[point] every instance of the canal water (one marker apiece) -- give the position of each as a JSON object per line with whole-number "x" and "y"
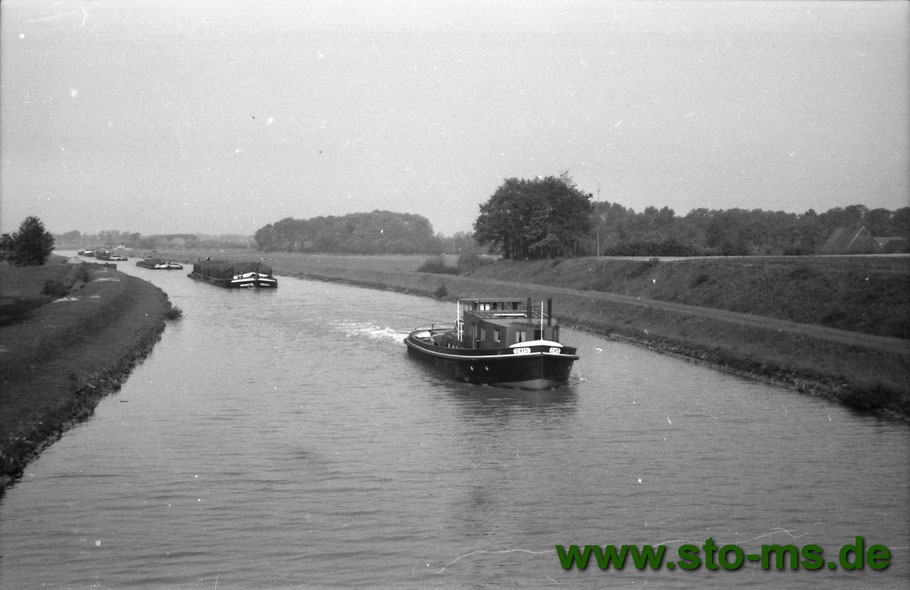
{"x": 286, "y": 439}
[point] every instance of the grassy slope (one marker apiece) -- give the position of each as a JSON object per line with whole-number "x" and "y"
{"x": 58, "y": 360}
{"x": 862, "y": 294}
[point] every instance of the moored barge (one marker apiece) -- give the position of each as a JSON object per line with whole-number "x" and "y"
{"x": 234, "y": 275}
{"x": 159, "y": 264}
{"x": 500, "y": 342}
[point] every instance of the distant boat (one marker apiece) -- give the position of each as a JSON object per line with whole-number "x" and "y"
{"x": 501, "y": 342}
{"x": 159, "y": 264}
{"x": 234, "y": 275}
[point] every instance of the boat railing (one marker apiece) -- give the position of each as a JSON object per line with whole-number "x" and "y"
{"x": 434, "y": 328}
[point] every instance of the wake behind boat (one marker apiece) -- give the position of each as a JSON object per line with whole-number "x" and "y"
{"x": 502, "y": 342}
{"x": 234, "y": 275}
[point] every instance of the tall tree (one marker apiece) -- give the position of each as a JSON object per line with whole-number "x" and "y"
{"x": 32, "y": 244}
{"x": 6, "y": 248}
{"x": 540, "y": 218}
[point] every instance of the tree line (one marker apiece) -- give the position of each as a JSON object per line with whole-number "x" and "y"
{"x": 620, "y": 231}
{"x": 549, "y": 217}
{"x": 377, "y": 232}
{"x": 113, "y": 239}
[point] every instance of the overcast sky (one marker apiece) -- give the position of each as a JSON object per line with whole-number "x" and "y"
{"x": 220, "y": 116}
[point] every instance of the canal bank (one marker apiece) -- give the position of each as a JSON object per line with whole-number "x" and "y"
{"x": 58, "y": 360}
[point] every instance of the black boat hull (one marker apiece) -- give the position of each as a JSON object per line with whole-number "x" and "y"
{"x": 245, "y": 283}
{"x": 535, "y": 369}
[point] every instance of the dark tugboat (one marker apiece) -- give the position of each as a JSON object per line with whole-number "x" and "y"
{"x": 234, "y": 275}
{"x": 501, "y": 342}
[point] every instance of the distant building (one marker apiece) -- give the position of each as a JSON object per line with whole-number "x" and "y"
{"x": 846, "y": 240}
{"x": 859, "y": 240}
{"x": 892, "y": 245}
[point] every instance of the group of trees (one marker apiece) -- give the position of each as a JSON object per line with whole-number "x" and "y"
{"x": 30, "y": 246}
{"x": 621, "y": 231}
{"x": 550, "y": 217}
{"x": 378, "y": 232}
{"x": 541, "y": 218}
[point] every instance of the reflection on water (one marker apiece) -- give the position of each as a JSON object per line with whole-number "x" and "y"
{"x": 479, "y": 401}
{"x": 286, "y": 439}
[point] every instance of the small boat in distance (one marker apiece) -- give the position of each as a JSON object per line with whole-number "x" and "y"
{"x": 159, "y": 264}
{"x": 234, "y": 275}
{"x": 501, "y": 342}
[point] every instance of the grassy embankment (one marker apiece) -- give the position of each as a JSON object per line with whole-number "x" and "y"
{"x": 837, "y": 327}
{"x": 69, "y": 334}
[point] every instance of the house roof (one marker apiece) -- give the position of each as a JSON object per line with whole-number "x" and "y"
{"x": 847, "y": 240}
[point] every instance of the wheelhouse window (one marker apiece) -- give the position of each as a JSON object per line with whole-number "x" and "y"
{"x": 497, "y": 335}
{"x": 520, "y": 336}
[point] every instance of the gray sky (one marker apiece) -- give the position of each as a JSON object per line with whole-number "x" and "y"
{"x": 220, "y": 116}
